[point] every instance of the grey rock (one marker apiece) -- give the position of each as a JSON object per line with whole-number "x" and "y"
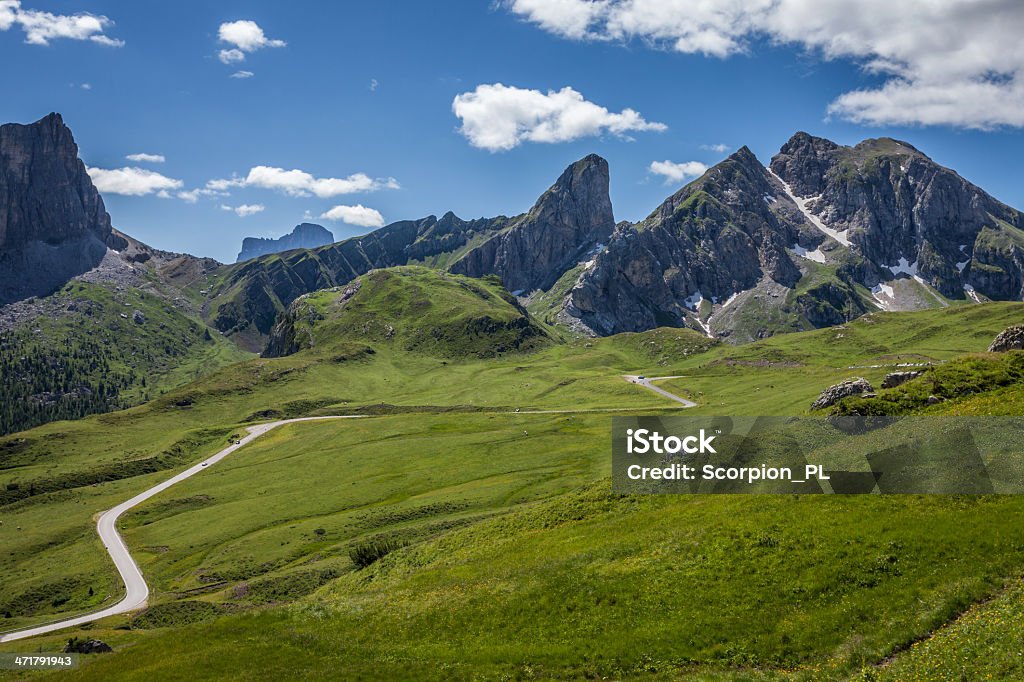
{"x": 138, "y": 317}
{"x": 569, "y": 219}
{"x": 894, "y": 379}
{"x": 304, "y": 236}
{"x": 53, "y": 224}
{"x": 1011, "y": 338}
{"x": 855, "y": 386}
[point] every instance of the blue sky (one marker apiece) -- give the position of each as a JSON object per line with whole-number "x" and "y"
{"x": 360, "y": 101}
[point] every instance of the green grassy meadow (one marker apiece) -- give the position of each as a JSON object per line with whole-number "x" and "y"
{"x": 487, "y": 476}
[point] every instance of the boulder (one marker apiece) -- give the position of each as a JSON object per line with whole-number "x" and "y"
{"x": 89, "y": 646}
{"x": 1011, "y": 338}
{"x": 833, "y": 394}
{"x": 894, "y": 379}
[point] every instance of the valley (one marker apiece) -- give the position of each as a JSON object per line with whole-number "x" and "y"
{"x": 390, "y": 454}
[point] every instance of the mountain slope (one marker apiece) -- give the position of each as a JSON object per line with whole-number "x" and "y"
{"x": 91, "y": 320}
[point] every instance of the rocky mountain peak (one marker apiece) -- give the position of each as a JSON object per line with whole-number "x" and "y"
{"x": 567, "y": 221}
{"x": 53, "y": 224}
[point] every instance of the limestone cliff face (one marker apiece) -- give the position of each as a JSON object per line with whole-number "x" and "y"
{"x": 895, "y": 203}
{"x": 569, "y": 219}
{"x": 53, "y": 224}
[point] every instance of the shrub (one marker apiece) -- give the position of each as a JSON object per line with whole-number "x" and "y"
{"x": 362, "y": 555}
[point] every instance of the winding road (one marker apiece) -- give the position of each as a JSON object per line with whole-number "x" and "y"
{"x": 136, "y": 589}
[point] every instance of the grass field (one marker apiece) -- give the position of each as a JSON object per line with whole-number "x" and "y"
{"x": 519, "y": 563}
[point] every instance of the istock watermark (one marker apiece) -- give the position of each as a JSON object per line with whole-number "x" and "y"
{"x": 818, "y": 455}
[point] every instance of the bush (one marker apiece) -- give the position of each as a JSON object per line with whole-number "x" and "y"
{"x": 364, "y": 554}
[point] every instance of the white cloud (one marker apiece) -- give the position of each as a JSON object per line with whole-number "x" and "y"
{"x": 231, "y": 56}
{"x": 131, "y": 181}
{"x": 86, "y": 86}
{"x": 244, "y": 210}
{"x": 355, "y": 215}
{"x": 245, "y": 36}
{"x": 42, "y": 27}
{"x": 499, "y": 117}
{"x": 955, "y": 62}
{"x": 299, "y": 183}
{"x": 717, "y": 148}
{"x": 242, "y": 74}
{"x": 192, "y": 196}
{"x": 373, "y": 84}
{"x": 142, "y": 157}
{"x": 677, "y": 172}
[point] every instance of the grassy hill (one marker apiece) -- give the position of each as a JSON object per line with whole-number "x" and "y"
{"x": 412, "y": 309}
{"x": 518, "y": 562}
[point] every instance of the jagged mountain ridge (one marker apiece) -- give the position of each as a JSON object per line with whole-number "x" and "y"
{"x": 822, "y": 235}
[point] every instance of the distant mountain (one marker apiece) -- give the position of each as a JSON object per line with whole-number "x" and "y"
{"x": 304, "y": 236}
{"x": 53, "y": 224}
{"x": 527, "y": 251}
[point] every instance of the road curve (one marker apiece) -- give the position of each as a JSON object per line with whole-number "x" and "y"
{"x": 136, "y": 590}
{"x": 646, "y": 383}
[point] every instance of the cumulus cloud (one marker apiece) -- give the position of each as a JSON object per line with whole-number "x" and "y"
{"x": 242, "y": 74}
{"x": 677, "y": 172}
{"x": 42, "y": 27}
{"x": 499, "y": 117}
{"x": 231, "y": 56}
{"x": 142, "y": 157}
{"x": 299, "y": 183}
{"x": 717, "y": 148}
{"x": 355, "y": 215}
{"x": 130, "y": 181}
{"x": 192, "y": 196}
{"x": 955, "y": 62}
{"x": 245, "y": 210}
{"x": 244, "y": 36}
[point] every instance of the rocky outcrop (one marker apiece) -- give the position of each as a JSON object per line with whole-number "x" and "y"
{"x": 894, "y": 379}
{"x": 570, "y": 219}
{"x": 718, "y": 236}
{"x": 907, "y": 215}
{"x": 855, "y": 386}
{"x": 53, "y": 224}
{"x": 304, "y": 236}
{"x": 1011, "y": 338}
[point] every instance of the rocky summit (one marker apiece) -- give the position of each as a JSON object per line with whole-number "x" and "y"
{"x": 304, "y": 236}
{"x": 53, "y": 224}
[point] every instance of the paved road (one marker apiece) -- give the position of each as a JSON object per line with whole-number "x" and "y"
{"x": 646, "y": 383}
{"x": 136, "y": 590}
